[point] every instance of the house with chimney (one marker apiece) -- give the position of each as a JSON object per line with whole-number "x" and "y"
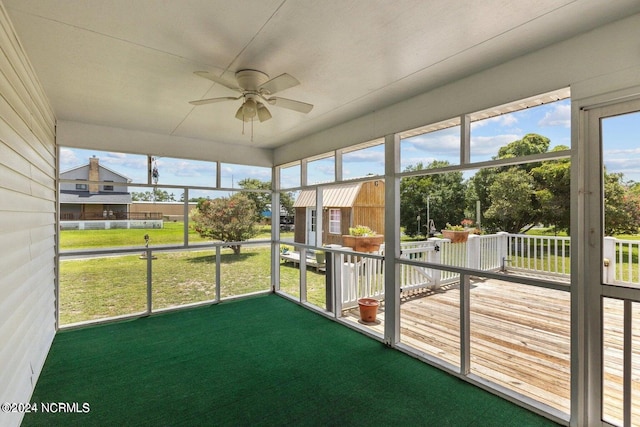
{"x": 104, "y": 196}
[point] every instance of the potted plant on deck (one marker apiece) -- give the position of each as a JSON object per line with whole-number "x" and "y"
{"x": 368, "y": 308}
{"x": 362, "y": 239}
{"x": 455, "y": 233}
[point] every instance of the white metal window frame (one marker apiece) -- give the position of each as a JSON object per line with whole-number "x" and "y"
{"x": 334, "y": 221}
{"x": 392, "y": 176}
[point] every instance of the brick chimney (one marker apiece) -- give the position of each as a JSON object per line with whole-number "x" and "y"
{"x": 94, "y": 174}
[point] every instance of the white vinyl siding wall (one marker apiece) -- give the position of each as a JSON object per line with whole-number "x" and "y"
{"x": 27, "y": 223}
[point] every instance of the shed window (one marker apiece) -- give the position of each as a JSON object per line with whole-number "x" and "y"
{"x": 334, "y": 221}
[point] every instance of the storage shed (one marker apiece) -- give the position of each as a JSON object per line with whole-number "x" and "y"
{"x": 343, "y": 206}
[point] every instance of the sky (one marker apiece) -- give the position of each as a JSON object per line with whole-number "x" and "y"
{"x": 621, "y": 145}
{"x": 621, "y": 149}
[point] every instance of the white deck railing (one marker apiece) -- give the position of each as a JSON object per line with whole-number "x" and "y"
{"x": 517, "y": 253}
{"x": 549, "y": 255}
{"x": 621, "y": 261}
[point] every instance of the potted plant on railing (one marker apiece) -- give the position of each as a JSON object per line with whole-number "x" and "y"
{"x": 362, "y": 239}
{"x": 455, "y": 233}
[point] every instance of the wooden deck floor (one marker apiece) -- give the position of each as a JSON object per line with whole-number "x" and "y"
{"x": 520, "y": 339}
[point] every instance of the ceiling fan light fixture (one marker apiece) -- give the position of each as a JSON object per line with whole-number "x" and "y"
{"x": 254, "y": 86}
{"x": 249, "y": 108}
{"x": 240, "y": 114}
{"x": 263, "y": 113}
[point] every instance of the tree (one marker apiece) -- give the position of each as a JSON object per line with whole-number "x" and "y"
{"x": 262, "y": 201}
{"x": 553, "y": 191}
{"x": 446, "y": 193}
{"x": 513, "y": 205}
{"x": 229, "y": 219}
{"x": 530, "y": 144}
{"x": 518, "y": 197}
{"x": 621, "y": 206}
{"x": 156, "y": 195}
{"x": 286, "y": 201}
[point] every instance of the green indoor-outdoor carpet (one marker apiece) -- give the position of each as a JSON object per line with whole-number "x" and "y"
{"x": 262, "y": 361}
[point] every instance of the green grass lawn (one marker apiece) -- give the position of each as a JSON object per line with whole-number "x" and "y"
{"x": 95, "y": 288}
{"x": 103, "y": 287}
{"x": 172, "y": 233}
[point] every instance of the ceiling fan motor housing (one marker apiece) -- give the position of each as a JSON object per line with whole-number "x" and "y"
{"x": 250, "y": 80}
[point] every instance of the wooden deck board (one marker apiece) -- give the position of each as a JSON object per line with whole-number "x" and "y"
{"x": 520, "y": 338}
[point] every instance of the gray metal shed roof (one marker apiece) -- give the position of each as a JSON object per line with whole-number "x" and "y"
{"x": 342, "y": 196}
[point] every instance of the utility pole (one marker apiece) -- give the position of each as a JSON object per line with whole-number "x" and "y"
{"x": 428, "y": 217}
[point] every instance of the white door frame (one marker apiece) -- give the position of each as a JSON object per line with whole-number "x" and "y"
{"x": 588, "y": 289}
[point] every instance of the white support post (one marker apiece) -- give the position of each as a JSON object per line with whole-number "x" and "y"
{"x": 338, "y": 165}
{"x": 503, "y": 249}
{"x": 436, "y": 258}
{"x": 391, "y": 239}
{"x": 275, "y": 229}
{"x": 185, "y": 213}
{"x": 336, "y": 280}
{"x": 303, "y": 274}
{"x": 473, "y": 252}
{"x": 465, "y": 138}
{"x": 319, "y": 216}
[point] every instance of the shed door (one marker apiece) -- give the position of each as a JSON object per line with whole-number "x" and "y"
{"x": 311, "y": 226}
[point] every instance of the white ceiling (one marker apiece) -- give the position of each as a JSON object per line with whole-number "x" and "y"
{"x": 129, "y": 63}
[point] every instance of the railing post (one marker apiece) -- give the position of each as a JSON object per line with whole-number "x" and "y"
{"x": 336, "y": 281}
{"x": 473, "y": 251}
{"x": 333, "y": 293}
{"x": 609, "y": 255}
{"x": 340, "y": 283}
{"x": 436, "y": 258}
{"x": 149, "y": 255}
{"x": 503, "y": 249}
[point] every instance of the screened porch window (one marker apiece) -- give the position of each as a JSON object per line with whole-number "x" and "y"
{"x": 334, "y": 221}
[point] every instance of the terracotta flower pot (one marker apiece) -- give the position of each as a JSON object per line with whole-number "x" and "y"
{"x": 368, "y": 309}
{"x": 456, "y": 236}
{"x": 363, "y": 243}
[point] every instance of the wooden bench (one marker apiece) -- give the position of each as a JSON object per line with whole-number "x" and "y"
{"x": 294, "y": 258}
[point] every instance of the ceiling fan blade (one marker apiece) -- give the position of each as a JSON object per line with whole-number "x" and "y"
{"x": 290, "y": 104}
{"x": 213, "y": 100}
{"x": 276, "y": 84}
{"x": 210, "y": 76}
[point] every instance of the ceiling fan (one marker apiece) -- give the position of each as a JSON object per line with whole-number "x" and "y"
{"x": 255, "y": 90}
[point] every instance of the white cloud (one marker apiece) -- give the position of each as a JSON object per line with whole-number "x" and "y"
{"x": 626, "y": 151}
{"x": 448, "y": 144}
{"x": 489, "y": 145}
{"x": 504, "y": 120}
{"x": 413, "y": 161}
{"x": 68, "y": 159}
{"x": 560, "y": 115}
{"x": 364, "y": 156}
